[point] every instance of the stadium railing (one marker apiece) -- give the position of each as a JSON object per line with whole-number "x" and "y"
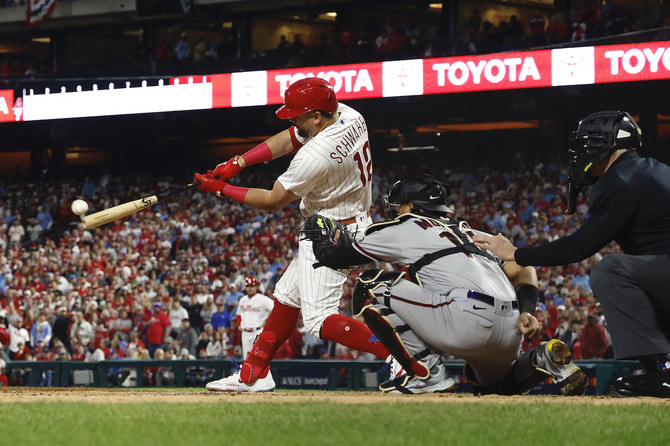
{"x": 288, "y": 374}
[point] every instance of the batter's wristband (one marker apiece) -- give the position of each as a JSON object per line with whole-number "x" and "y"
{"x": 235, "y": 192}
{"x": 527, "y": 296}
{"x": 259, "y": 154}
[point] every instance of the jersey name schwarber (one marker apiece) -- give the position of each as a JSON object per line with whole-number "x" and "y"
{"x": 332, "y": 172}
{"x": 347, "y": 144}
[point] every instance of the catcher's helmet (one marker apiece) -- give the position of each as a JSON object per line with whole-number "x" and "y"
{"x": 251, "y": 281}
{"x": 428, "y": 195}
{"x": 598, "y": 136}
{"x": 309, "y": 94}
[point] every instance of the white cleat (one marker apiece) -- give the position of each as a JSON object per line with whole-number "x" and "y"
{"x": 439, "y": 381}
{"x": 233, "y": 383}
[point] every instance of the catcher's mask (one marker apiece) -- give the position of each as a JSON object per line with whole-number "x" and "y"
{"x": 428, "y": 196}
{"x": 597, "y": 137}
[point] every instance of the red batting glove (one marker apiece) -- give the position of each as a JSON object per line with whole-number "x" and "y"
{"x": 220, "y": 188}
{"x": 227, "y": 170}
{"x": 209, "y": 183}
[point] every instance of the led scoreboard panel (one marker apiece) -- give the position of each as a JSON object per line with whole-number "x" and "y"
{"x": 499, "y": 71}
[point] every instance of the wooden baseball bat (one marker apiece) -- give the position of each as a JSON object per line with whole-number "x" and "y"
{"x": 119, "y": 211}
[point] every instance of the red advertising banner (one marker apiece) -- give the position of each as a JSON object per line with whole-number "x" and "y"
{"x": 632, "y": 62}
{"x": 220, "y": 90}
{"x": 356, "y": 81}
{"x": 500, "y": 71}
{"x": 6, "y": 106}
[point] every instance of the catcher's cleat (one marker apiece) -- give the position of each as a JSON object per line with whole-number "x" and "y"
{"x": 233, "y": 383}
{"x": 555, "y": 359}
{"x": 437, "y": 382}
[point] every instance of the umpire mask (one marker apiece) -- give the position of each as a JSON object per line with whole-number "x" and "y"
{"x": 597, "y": 137}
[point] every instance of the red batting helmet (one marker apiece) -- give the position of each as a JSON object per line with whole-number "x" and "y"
{"x": 306, "y": 95}
{"x": 251, "y": 281}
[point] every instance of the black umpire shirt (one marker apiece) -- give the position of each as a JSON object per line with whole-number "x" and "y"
{"x": 630, "y": 204}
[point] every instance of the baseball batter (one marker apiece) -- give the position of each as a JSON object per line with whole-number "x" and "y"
{"x": 252, "y": 312}
{"x": 331, "y": 172}
{"x": 458, "y": 300}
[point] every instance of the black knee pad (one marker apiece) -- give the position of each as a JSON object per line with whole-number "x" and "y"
{"x": 366, "y": 283}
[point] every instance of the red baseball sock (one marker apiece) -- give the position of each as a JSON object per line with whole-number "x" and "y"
{"x": 352, "y": 333}
{"x": 278, "y": 327}
{"x": 282, "y": 321}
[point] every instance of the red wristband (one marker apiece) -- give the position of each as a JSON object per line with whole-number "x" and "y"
{"x": 235, "y": 192}
{"x": 259, "y": 154}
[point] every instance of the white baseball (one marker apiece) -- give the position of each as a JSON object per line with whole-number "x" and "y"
{"x": 79, "y": 207}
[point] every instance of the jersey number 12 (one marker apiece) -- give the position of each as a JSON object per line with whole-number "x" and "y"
{"x": 365, "y": 164}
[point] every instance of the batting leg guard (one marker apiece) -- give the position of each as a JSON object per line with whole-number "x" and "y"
{"x": 390, "y": 330}
{"x": 257, "y": 363}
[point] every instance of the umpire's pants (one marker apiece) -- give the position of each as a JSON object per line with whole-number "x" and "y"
{"x": 634, "y": 293}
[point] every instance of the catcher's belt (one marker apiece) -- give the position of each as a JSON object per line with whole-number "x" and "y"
{"x": 490, "y": 300}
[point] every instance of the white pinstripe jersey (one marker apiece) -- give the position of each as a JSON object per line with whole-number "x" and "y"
{"x": 332, "y": 171}
{"x": 407, "y": 238}
{"x": 254, "y": 310}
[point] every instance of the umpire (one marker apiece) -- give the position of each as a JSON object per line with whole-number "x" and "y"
{"x": 630, "y": 204}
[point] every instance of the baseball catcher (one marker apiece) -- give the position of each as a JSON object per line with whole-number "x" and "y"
{"x": 454, "y": 299}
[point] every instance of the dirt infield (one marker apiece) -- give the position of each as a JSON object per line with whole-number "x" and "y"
{"x": 94, "y": 395}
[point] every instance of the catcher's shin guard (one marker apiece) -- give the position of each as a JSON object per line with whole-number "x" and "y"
{"x": 526, "y": 374}
{"x": 257, "y": 363}
{"x": 381, "y": 322}
{"x": 363, "y": 295}
{"x": 522, "y": 378}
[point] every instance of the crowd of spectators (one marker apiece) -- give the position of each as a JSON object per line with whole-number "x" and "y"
{"x": 186, "y": 51}
{"x": 389, "y": 40}
{"x": 164, "y": 283}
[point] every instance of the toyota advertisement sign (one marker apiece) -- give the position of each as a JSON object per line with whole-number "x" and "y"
{"x": 500, "y": 71}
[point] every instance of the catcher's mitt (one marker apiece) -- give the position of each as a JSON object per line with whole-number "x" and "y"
{"x": 325, "y": 231}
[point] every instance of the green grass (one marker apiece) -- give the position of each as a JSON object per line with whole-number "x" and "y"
{"x": 325, "y": 423}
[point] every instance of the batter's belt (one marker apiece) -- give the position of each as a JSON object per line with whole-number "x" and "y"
{"x": 348, "y": 221}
